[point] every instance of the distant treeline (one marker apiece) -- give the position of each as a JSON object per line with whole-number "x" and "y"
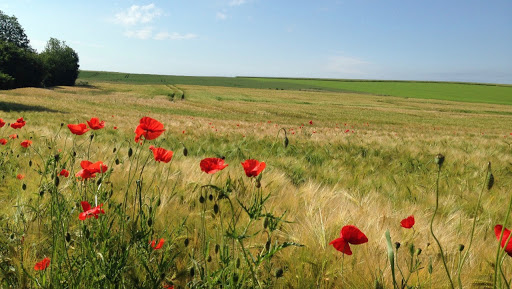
{"x": 22, "y": 66}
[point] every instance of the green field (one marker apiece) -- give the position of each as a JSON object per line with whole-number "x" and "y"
{"x": 465, "y": 92}
{"x": 363, "y": 159}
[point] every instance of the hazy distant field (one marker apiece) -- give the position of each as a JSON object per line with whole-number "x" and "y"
{"x": 365, "y": 159}
{"x": 466, "y": 92}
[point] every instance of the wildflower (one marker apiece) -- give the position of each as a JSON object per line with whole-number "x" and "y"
{"x": 13, "y": 136}
{"x": 26, "y": 143}
{"x": 3, "y": 141}
{"x": 253, "y": 168}
{"x": 42, "y": 265}
{"x": 2, "y": 122}
{"x": 149, "y": 128}
{"x": 19, "y": 123}
{"x": 20, "y": 177}
{"x": 90, "y": 169}
{"x": 90, "y": 212}
{"x": 161, "y": 154}
{"x": 349, "y": 235}
{"x": 156, "y": 246}
{"x": 78, "y": 129}
{"x": 407, "y": 222}
{"x": 212, "y": 165}
{"x": 95, "y": 123}
{"x": 64, "y": 173}
{"x": 311, "y": 122}
{"x": 504, "y": 239}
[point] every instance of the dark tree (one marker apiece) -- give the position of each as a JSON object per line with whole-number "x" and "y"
{"x": 12, "y": 32}
{"x": 61, "y": 63}
{"x": 19, "y": 67}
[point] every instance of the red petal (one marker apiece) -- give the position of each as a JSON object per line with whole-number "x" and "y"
{"x": 506, "y": 234}
{"x": 353, "y": 235}
{"x": 85, "y": 206}
{"x": 341, "y": 245}
{"x": 408, "y": 222}
{"x": 85, "y": 164}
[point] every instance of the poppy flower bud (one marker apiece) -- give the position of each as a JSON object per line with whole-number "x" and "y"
{"x": 56, "y": 157}
{"x": 98, "y": 182}
{"x": 12, "y": 236}
{"x": 235, "y": 277}
{"x": 490, "y": 181}
{"x": 439, "y": 160}
{"x": 286, "y": 142}
{"x": 150, "y": 222}
{"x": 209, "y": 259}
{"x": 92, "y": 136}
{"x": 130, "y": 152}
{"x": 430, "y": 267}
{"x": 114, "y": 150}
{"x": 411, "y": 249}
{"x": 61, "y": 124}
{"x": 117, "y": 161}
{"x": 41, "y": 193}
{"x": 185, "y": 151}
{"x": 30, "y": 163}
{"x": 237, "y": 263}
{"x": 186, "y": 242}
{"x": 461, "y": 247}
{"x": 24, "y": 187}
{"x": 74, "y": 154}
{"x": 279, "y": 273}
{"x": 192, "y": 272}
{"x": 265, "y": 223}
{"x": 68, "y": 237}
{"x": 57, "y": 181}
{"x": 258, "y": 184}
{"x": 201, "y": 199}
{"x": 216, "y": 209}
{"x": 397, "y": 245}
{"x": 418, "y": 251}
{"x": 267, "y": 245}
{"x": 158, "y": 202}
{"x": 210, "y": 197}
{"x": 217, "y": 248}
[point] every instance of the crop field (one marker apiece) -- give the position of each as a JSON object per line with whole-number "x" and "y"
{"x": 338, "y": 154}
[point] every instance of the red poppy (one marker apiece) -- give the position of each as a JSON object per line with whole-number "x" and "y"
{"x": 161, "y": 154}
{"x": 42, "y": 265}
{"x": 90, "y": 212}
{"x": 3, "y": 141}
{"x": 253, "y": 168}
{"x": 504, "y": 239}
{"x": 13, "y": 136}
{"x": 26, "y": 143}
{"x": 78, "y": 129}
{"x": 149, "y": 128}
{"x": 90, "y": 169}
{"x": 349, "y": 235}
{"x": 407, "y": 222}
{"x": 167, "y": 286}
{"x": 157, "y": 246}
{"x": 95, "y": 123}
{"x": 20, "y": 177}
{"x": 212, "y": 165}
{"x": 19, "y": 123}
{"x": 311, "y": 122}
{"x": 64, "y": 173}
{"x": 2, "y": 122}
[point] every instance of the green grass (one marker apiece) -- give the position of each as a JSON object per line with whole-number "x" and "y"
{"x": 452, "y": 91}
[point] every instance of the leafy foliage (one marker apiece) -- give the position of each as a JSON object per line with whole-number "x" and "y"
{"x": 12, "y": 32}
{"x": 61, "y": 63}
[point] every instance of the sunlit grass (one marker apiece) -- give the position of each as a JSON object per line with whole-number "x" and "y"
{"x": 375, "y": 174}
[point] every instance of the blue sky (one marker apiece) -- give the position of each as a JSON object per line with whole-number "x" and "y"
{"x": 360, "y": 39}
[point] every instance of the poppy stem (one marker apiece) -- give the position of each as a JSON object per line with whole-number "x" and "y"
{"x": 475, "y": 215}
{"x": 498, "y": 253}
{"x": 342, "y": 262}
{"x": 432, "y": 229}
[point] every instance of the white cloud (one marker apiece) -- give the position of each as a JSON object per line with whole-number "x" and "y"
{"x": 138, "y": 15}
{"x": 174, "y": 36}
{"x": 221, "y": 16}
{"x": 237, "y": 2}
{"x": 144, "y": 33}
{"x": 347, "y": 66}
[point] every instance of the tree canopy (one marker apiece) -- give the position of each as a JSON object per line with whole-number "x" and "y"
{"x": 12, "y": 32}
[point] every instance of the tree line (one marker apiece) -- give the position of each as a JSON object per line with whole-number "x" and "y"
{"x": 22, "y": 66}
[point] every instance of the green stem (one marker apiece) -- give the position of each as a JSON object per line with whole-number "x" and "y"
{"x": 475, "y": 214}
{"x": 432, "y": 229}
{"x": 497, "y": 264}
